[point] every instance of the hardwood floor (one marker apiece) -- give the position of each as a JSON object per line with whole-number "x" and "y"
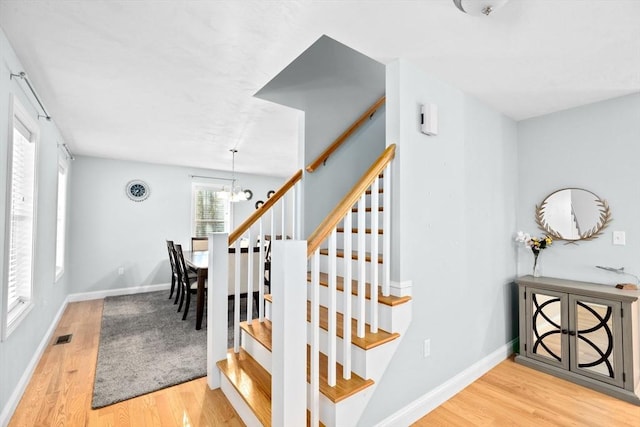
{"x": 61, "y": 389}
{"x": 514, "y": 395}
{"x": 60, "y": 392}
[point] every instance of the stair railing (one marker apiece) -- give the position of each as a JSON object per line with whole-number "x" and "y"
{"x": 326, "y": 235}
{"x": 275, "y": 219}
{"x": 367, "y": 115}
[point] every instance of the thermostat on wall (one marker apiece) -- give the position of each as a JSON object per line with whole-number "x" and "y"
{"x": 429, "y": 119}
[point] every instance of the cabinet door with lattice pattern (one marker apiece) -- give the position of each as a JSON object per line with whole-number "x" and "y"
{"x": 547, "y": 327}
{"x": 596, "y": 338}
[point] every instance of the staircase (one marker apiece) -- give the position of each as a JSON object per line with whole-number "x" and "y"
{"x": 353, "y": 327}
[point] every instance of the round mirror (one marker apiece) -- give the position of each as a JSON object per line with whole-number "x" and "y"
{"x": 573, "y": 214}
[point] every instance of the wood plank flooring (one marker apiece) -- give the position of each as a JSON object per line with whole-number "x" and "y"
{"x": 61, "y": 389}
{"x": 60, "y": 392}
{"x": 514, "y": 395}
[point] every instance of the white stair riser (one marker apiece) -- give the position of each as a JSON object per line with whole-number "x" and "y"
{"x": 345, "y": 413}
{"x": 238, "y": 403}
{"x": 340, "y": 268}
{"x": 390, "y": 319}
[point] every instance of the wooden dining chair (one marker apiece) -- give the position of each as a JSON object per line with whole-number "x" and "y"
{"x": 199, "y": 244}
{"x": 188, "y": 283}
{"x": 175, "y": 275}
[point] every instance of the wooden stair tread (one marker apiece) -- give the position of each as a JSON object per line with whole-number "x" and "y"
{"x": 343, "y": 388}
{"x": 251, "y": 381}
{"x": 380, "y": 191}
{"x": 261, "y": 331}
{"x": 390, "y": 300}
{"x": 355, "y": 230}
{"x": 354, "y": 255}
{"x": 370, "y": 339}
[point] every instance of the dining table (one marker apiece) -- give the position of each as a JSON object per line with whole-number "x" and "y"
{"x": 198, "y": 261}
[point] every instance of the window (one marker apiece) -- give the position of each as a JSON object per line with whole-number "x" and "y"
{"x": 21, "y": 225}
{"x": 62, "y": 217}
{"x": 210, "y": 210}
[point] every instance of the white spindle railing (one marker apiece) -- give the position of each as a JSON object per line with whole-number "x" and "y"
{"x": 354, "y": 202}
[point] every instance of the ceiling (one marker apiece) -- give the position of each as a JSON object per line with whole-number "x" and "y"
{"x": 172, "y": 81}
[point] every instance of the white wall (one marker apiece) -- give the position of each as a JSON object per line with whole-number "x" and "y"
{"x": 594, "y": 147}
{"x": 453, "y": 207}
{"x": 109, "y": 231}
{"x": 18, "y": 350}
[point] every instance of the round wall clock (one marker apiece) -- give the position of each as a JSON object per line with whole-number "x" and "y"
{"x": 137, "y": 190}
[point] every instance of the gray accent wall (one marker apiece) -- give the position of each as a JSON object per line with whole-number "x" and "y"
{"x": 48, "y": 295}
{"x": 110, "y": 231}
{"x": 453, "y": 210}
{"x": 595, "y": 147}
{"x": 334, "y": 85}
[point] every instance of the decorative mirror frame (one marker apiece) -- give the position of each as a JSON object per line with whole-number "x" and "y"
{"x": 593, "y": 233}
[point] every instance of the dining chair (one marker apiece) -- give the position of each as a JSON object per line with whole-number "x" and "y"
{"x": 175, "y": 274}
{"x": 189, "y": 284}
{"x": 199, "y": 244}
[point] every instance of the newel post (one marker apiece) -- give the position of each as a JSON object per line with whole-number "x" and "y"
{"x": 217, "y": 284}
{"x": 289, "y": 333}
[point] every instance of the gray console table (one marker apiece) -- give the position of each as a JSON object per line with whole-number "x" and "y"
{"x": 583, "y": 332}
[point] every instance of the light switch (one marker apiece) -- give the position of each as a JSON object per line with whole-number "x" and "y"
{"x": 619, "y": 238}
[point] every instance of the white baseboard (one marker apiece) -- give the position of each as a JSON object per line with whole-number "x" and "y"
{"x": 15, "y": 397}
{"x": 436, "y": 397}
{"x": 86, "y": 296}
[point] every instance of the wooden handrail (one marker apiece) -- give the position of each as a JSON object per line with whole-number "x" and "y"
{"x": 331, "y": 221}
{"x": 257, "y": 214}
{"x": 345, "y": 135}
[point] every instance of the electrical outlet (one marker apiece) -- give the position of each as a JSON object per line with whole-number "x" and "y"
{"x": 426, "y": 350}
{"x": 120, "y": 271}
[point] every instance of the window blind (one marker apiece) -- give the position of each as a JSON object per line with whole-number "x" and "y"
{"x": 21, "y": 216}
{"x": 62, "y": 214}
{"x": 210, "y": 211}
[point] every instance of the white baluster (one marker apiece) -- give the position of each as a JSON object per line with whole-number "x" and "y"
{"x": 332, "y": 300}
{"x": 249, "y": 278}
{"x": 315, "y": 339}
{"x": 236, "y": 298}
{"x": 362, "y": 267}
{"x": 375, "y": 187}
{"x": 346, "y": 341}
{"x": 261, "y": 275}
{"x": 386, "y": 229}
{"x": 294, "y": 235}
{"x": 283, "y": 210}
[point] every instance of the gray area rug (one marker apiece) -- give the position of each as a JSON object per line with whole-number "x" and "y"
{"x": 146, "y": 346}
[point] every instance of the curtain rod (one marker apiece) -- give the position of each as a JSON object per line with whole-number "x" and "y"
{"x": 67, "y": 151}
{"x": 23, "y": 76}
{"x": 211, "y": 177}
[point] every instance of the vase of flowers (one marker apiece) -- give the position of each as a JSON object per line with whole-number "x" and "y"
{"x": 536, "y": 244}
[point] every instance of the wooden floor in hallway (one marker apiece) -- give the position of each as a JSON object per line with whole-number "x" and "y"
{"x": 61, "y": 389}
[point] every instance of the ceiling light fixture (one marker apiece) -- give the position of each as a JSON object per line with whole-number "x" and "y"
{"x": 237, "y": 194}
{"x": 479, "y": 7}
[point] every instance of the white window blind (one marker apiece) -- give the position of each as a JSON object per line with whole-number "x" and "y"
{"x": 62, "y": 215}
{"x": 211, "y": 211}
{"x": 21, "y": 217}
{"x": 21, "y": 207}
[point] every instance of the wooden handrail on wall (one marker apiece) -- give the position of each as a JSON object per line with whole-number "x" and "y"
{"x": 331, "y": 221}
{"x": 257, "y": 214}
{"x": 345, "y": 135}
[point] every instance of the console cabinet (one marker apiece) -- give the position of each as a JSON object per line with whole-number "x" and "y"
{"x": 583, "y": 332}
